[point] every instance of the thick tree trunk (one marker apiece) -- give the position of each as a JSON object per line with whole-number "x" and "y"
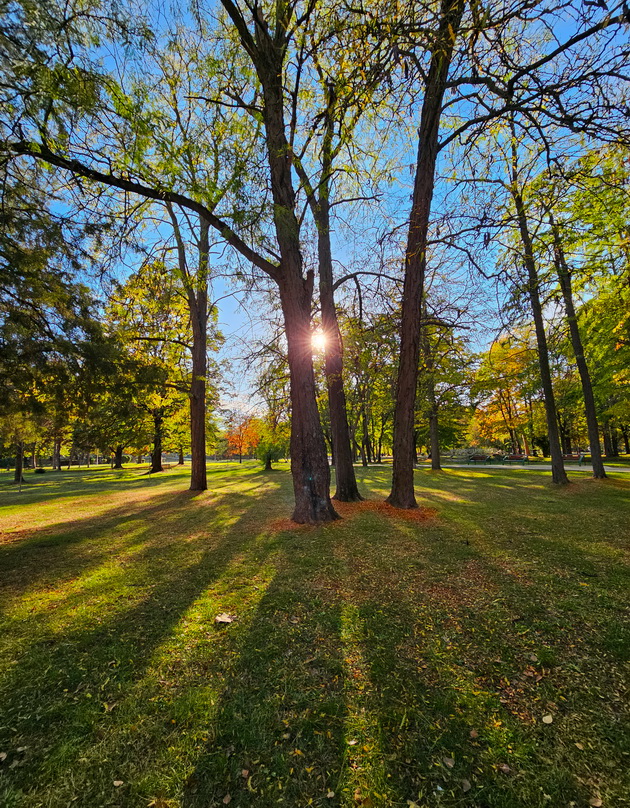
{"x": 156, "y": 454}
{"x": 402, "y": 494}
{"x": 558, "y": 473}
{"x": 564, "y": 276}
{"x": 268, "y": 462}
{"x": 309, "y": 459}
{"x": 626, "y": 438}
{"x": 18, "y": 476}
{"x": 118, "y": 457}
{"x": 180, "y": 459}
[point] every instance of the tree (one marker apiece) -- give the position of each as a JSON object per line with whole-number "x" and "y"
{"x": 503, "y": 64}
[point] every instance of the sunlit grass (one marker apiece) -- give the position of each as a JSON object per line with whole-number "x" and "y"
{"x": 375, "y": 661}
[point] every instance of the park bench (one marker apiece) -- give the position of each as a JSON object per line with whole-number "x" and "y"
{"x": 516, "y": 458}
{"x": 478, "y": 458}
{"x": 579, "y": 458}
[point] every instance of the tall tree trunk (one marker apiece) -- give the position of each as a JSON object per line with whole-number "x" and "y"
{"x": 367, "y": 445}
{"x": 268, "y": 461}
{"x": 346, "y": 484}
{"x": 626, "y": 438}
{"x": 558, "y": 473}
{"x": 118, "y": 457}
{"x": 309, "y": 459}
{"x": 319, "y": 200}
{"x": 565, "y": 437}
{"x": 402, "y": 494}
{"x": 434, "y": 434}
{"x": 56, "y": 458}
{"x": 180, "y": 459}
{"x": 434, "y": 438}
{"x": 156, "y": 454}
{"x": 197, "y": 295}
{"x": 564, "y": 277}
{"x": 608, "y": 448}
{"x": 614, "y": 442}
{"x": 18, "y": 476}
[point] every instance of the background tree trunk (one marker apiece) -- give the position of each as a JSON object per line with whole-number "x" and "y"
{"x": 156, "y": 454}
{"x": 118, "y": 457}
{"x": 18, "y": 476}
{"x": 564, "y": 277}
{"x": 558, "y": 472}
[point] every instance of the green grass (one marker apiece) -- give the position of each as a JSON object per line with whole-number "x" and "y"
{"x": 383, "y": 660}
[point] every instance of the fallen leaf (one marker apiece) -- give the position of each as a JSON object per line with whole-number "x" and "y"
{"x": 503, "y": 767}
{"x": 118, "y": 783}
{"x": 330, "y": 795}
{"x": 3, "y": 757}
{"x": 580, "y": 746}
{"x": 547, "y": 719}
{"x": 353, "y": 742}
{"x": 474, "y": 733}
{"x": 245, "y": 773}
{"x": 224, "y": 618}
{"x": 466, "y": 785}
{"x": 447, "y": 761}
{"x": 596, "y": 802}
{"x": 295, "y": 620}
{"x": 21, "y": 749}
{"x": 227, "y": 799}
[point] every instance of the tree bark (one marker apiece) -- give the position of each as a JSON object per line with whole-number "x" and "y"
{"x": 156, "y": 454}
{"x": 180, "y": 459}
{"x": 564, "y": 277}
{"x": 558, "y": 473}
{"x": 197, "y": 295}
{"x": 118, "y": 457}
{"x": 18, "y": 476}
{"x": 309, "y": 459}
{"x": 56, "y": 458}
{"x": 346, "y": 484}
{"x": 402, "y": 494}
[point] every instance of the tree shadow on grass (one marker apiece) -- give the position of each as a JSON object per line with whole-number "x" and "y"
{"x": 442, "y": 656}
{"x": 91, "y": 674}
{"x": 279, "y": 729}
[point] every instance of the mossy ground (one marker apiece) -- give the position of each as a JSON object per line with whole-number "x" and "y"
{"x": 387, "y": 659}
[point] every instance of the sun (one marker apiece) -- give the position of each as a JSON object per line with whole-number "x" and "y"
{"x": 318, "y": 341}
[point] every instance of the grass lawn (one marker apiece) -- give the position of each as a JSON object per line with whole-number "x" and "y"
{"x": 473, "y": 654}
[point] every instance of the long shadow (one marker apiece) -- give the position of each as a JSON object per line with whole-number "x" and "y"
{"x": 445, "y": 655}
{"x": 95, "y": 649}
{"x": 279, "y": 729}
